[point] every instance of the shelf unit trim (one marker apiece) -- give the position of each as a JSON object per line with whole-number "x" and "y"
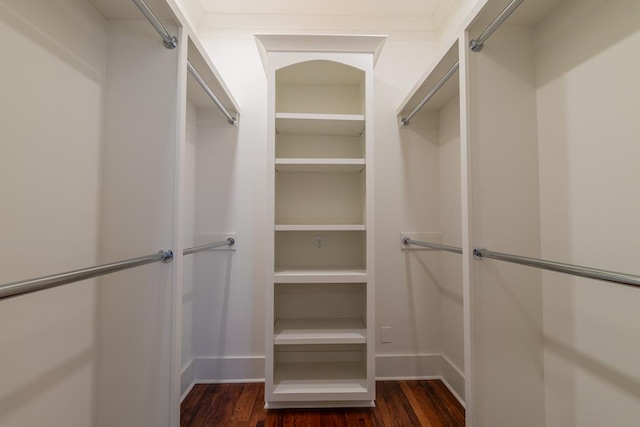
{"x": 320, "y": 227}
{"x": 320, "y": 275}
{"x": 319, "y": 165}
{"x": 320, "y": 331}
{"x": 320, "y": 124}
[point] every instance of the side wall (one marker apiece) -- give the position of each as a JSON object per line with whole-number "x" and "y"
{"x": 138, "y": 211}
{"x": 588, "y": 103}
{"x": 450, "y": 193}
{"x": 51, "y": 116}
{"x": 508, "y": 371}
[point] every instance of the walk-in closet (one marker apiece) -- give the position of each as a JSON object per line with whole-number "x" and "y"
{"x": 319, "y": 213}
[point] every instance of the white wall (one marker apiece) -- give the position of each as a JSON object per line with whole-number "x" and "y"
{"x": 588, "y": 103}
{"x": 138, "y": 211}
{"x": 449, "y": 192}
{"x": 406, "y": 188}
{"x": 229, "y": 318}
{"x": 507, "y": 300}
{"x": 189, "y": 219}
{"x": 51, "y": 112}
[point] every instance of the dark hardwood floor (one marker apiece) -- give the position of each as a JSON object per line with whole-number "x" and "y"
{"x": 398, "y": 404}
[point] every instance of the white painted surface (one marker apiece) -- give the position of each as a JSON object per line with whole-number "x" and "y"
{"x": 229, "y": 322}
{"x": 320, "y": 124}
{"x": 51, "y": 109}
{"x": 319, "y": 165}
{"x": 438, "y": 124}
{"x": 236, "y": 320}
{"x": 406, "y": 199}
{"x": 451, "y": 298}
{"x": 406, "y": 17}
{"x": 330, "y": 7}
{"x": 507, "y": 299}
{"x": 336, "y": 198}
{"x": 588, "y": 132}
{"x": 320, "y": 331}
{"x": 189, "y": 219}
{"x": 135, "y": 323}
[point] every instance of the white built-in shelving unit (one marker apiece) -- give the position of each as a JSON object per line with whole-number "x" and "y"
{"x": 320, "y": 294}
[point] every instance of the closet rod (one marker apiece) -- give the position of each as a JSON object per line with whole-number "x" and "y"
{"x": 410, "y": 241}
{"x": 592, "y": 273}
{"x": 169, "y": 41}
{"x": 229, "y": 242}
{"x": 41, "y": 283}
{"x": 476, "y": 45}
{"x": 232, "y": 120}
{"x": 436, "y": 88}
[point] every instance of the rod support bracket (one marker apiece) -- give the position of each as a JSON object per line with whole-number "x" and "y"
{"x": 475, "y": 46}
{"x": 404, "y": 122}
{"x": 405, "y": 240}
{"x": 172, "y": 43}
{"x": 233, "y": 121}
{"x": 167, "y": 256}
{"x": 479, "y": 253}
{"x": 231, "y": 241}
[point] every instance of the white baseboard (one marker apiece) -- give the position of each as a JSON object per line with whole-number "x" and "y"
{"x": 229, "y": 369}
{"x": 388, "y": 367}
{"x": 453, "y": 379}
{"x": 408, "y": 366}
{"x": 187, "y": 380}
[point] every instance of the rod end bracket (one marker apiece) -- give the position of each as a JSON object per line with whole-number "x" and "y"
{"x": 405, "y": 240}
{"x": 479, "y": 253}
{"x": 171, "y": 43}
{"x": 404, "y": 122}
{"x": 167, "y": 256}
{"x": 475, "y": 46}
{"x": 231, "y": 241}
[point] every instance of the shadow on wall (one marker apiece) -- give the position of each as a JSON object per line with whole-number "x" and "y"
{"x": 57, "y": 35}
{"x": 578, "y": 30}
{"x": 34, "y": 389}
{"x": 446, "y": 293}
{"x": 212, "y": 292}
{"x": 605, "y": 372}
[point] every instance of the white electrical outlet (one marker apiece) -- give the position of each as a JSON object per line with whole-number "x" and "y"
{"x": 318, "y": 242}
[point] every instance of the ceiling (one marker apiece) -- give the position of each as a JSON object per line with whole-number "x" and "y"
{"x": 326, "y": 7}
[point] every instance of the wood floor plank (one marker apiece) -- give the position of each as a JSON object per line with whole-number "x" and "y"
{"x": 421, "y": 413}
{"x": 243, "y": 409}
{"x": 191, "y": 404}
{"x": 398, "y": 403}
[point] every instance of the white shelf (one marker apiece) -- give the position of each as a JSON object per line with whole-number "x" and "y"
{"x": 320, "y": 275}
{"x": 320, "y": 227}
{"x": 320, "y": 124}
{"x": 319, "y": 165}
{"x": 331, "y": 379}
{"x": 319, "y": 331}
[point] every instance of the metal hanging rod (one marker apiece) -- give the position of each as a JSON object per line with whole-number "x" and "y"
{"x": 405, "y": 121}
{"x": 232, "y": 120}
{"x": 576, "y": 270}
{"x": 410, "y": 241}
{"x": 169, "y": 41}
{"x": 229, "y": 242}
{"x": 476, "y": 45}
{"x": 26, "y": 286}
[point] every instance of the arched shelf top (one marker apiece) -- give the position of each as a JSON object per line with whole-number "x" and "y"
{"x": 320, "y": 71}
{"x": 335, "y": 45}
